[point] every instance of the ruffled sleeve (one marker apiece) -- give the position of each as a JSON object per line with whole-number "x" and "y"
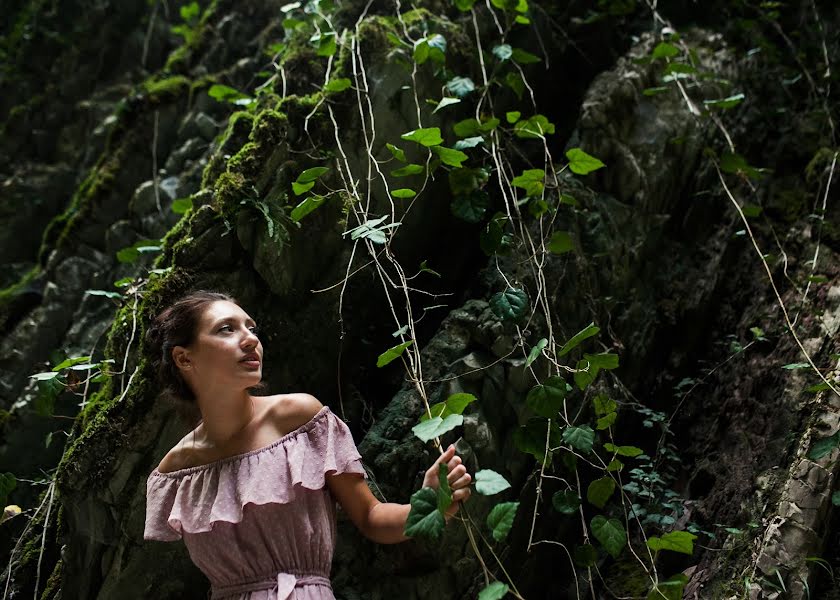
{"x": 191, "y": 500}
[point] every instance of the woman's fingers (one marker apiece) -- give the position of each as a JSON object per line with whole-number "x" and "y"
{"x": 455, "y": 474}
{"x": 460, "y": 495}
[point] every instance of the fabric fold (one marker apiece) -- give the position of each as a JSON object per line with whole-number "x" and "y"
{"x": 191, "y": 500}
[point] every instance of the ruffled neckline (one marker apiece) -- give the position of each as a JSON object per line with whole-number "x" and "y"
{"x": 310, "y": 424}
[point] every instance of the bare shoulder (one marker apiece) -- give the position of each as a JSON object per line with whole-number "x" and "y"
{"x": 177, "y": 458}
{"x": 290, "y": 411}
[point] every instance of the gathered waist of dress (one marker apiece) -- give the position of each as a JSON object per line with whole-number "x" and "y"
{"x": 283, "y": 583}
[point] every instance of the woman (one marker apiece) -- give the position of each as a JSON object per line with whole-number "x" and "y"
{"x": 252, "y": 488}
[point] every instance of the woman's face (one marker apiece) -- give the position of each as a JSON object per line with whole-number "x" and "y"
{"x": 226, "y": 351}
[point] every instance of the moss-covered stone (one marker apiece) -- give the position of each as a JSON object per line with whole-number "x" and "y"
{"x": 168, "y": 88}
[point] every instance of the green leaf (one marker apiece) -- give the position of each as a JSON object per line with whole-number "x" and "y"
{"x": 464, "y": 181}
{"x": 471, "y": 207}
{"x": 736, "y": 164}
{"x": 512, "y": 116}
{"x": 444, "y": 102}
{"x": 797, "y": 366}
{"x": 457, "y": 403}
{"x": 603, "y": 360}
{"x": 326, "y": 43}
{"x": 444, "y": 492}
{"x": 448, "y": 156}
{"x": 224, "y": 93}
{"x": 560, "y": 242}
{"x": 547, "y": 399}
{"x": 515, "y": 82}
{"x": 436, "y": 427}
{"x": 582, "y": 163}
{"x": 600, "y": 490}
{"x": 580, "y": 438}
{"x": 653, "y": 91}
{"x": 675, "y": 541}
{"x": 497, "y": 589}
{"x": 628, "y": 451}
{"x": 670, "y": 589}
{"x": 500, "y": 519}
{"x": 410, "y": 169}
{"x": 46, "y": 376}
{"x": 510, "y": 305}
{"x": 502, "y": 51}
{"x": 69, "y": 362}
{"x": 610, "y": 533}
{"x": 338, "y": 85}
{"x": 603, "y": 404}
{"x": 533, "y": 127}
{"x": 301, "y": 188}
{"x": 565, "y": 502}
{"x": 585, "y": 556}
{"x": 665, "y": 50}
{"x": 524, "y": 58}
{"x": 181, "y": 205}
{"x": 531, "y": 180}
{"x": 585, "y": 374}
{"x": 614, "y": 464}
{"x": 424, "y": 520}
{"x": 531, "y": 437}
{"x": 535, "y": 352}
{"x": 488, "y": 482}
{"x": 460, "y": 86}
{"x": 835, "y": 498}
{"x": 470, "y": 142}
{"x": 398, "y": 153}
{"x": 724, "y": 103}
{"x": 392, "y": 354}
{"x": 307, "y": 206}
{"x": 606, "y": 421}
{"x": 312, "y": 174}
{"x": 587, "y": 332}
{"x": 428, "y": 137}
{"x": 403, "y": 193}
{"x": 824, "y": 446}
{"x": 190, "y": 11}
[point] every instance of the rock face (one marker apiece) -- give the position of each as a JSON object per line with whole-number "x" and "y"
{"x": 190, "y": 170}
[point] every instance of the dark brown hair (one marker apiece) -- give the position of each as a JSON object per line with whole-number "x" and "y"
{"x": 177, "y": 326}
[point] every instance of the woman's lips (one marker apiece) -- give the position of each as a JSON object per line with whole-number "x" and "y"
{"x": 251, "y": 364}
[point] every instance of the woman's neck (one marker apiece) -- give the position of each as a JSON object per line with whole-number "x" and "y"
{"x": 225, "y": 417}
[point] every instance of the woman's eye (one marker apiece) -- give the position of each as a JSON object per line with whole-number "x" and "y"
{"x": 254, "y": 329}
{"x": 225, "y": 328}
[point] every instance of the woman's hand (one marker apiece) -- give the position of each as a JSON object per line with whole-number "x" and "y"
{"x": 459, "y": 479}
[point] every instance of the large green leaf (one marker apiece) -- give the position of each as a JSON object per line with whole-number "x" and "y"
{"x": 407, "y": 170}
{"x": 396, "y": 152}
{"x": 500, "y": 519}
{"x": 444, "y": 492}
{"x": 428, "y": 137}
{"x": 600, "y": 490}
{"x": 602, "y": 360}
{"x": 307, "y": 206}
{"x": 454, "y": 405}
{"x": 510, "y": 305}
{"x": 580, "y": 438}
{"x": 424, "y": 519}
{"x": 586, "y": 332}
{"x": 628, "y": 451}
{"x": 531, "y": 180}
{"x": 311, "y": 174}
{"x": 610, "y": 533}
{"x": 566, "y": 502}
{"x": 675, "y": 541}
{"x": 533, "y": 127}
{"x": 488, "y": 482}
{"x": 585, "y": 556}
{"x": 496, "y": 590}
{"x": 531, "y": 437}
{"x": 403, "y": 193}
{"x": 436, "y": 427}
{"x": 460, "y": 86}
{"x": 448, "y": 156}
{"x": 582, "y": 163}
{"x": 546, "y": 399}
{"x": 392, "y": 353}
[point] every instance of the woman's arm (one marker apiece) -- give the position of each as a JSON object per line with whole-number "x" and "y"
{"x": 384, "y": 522}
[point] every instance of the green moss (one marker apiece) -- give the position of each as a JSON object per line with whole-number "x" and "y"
{"x": 11, "y": 300}
{"x": 247, "y": 161}
{"x": 159, "y": 90}
{"x": 269, "y": 128}
{"x": 179, "y": 59}
{"x": 235, "y": 135}
{"x": 52, "y": 589}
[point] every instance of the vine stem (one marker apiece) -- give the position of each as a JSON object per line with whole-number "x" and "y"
{"x": 44, "y": 538}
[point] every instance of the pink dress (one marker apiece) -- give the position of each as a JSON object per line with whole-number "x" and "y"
{"x": 260, "y": 525}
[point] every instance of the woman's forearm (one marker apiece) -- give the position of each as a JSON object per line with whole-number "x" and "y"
{"x": 386, "y": 522}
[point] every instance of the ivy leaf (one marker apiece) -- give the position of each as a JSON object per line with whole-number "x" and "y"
{"x": 547, "y": 399}
{"x": 512, "y": 116}
{"x": 410, "y": 169}
{"x": 464, "y": 181}
{"x": 670, "y": 589}
{"x": 580, "y": 438}
{"x": 560, "y": 242}
{"x": 503, "y": 51}
{"x": 531, "y": 437}
{"x": 500, "y": 519}
{"x": 70, "y": 362}
{"x": 602, "y": 360}
{"x": 510, "y": 305}
{"x": 398, "y": 153}
{"x": 535, "y": 352}
{"x": 306, "y": 207}
{"x": 665, "y": 50}
{"x": 301, "y": 188}
{"x": 610, "y": 533}
{"x": 436, "y": 427}
{"x": 582, "y": 163}
{"x": 454, "y": 405}
{"x": 460, "y": 86}
{"x": 606, "y": 421}
{"x": 585, "y": 556}
{"x": 337, "y": 85}
{"x": 628, "y": 451}
{"x": 326, "y": 43}
{"x": 471, "y": 207}
{"x": 587, "y": 332}
{"x": 737, "y": 165}
{"x": 600, "y": 490}
{"x": 565, "y": 502}
{"x": 403, "y": 193}
{"x": 392, "y": 354}
{"x": 224, "y": 93}
{"x": 603, "y": 404}
{"x": 428, "y": 137}
{"x": 524, "y": 58}
{"x": 444, "y": 492}
{"x": 497, "y": 589}
{"x": 531, "y": 180}
{"x": 311, "y": 174}
{"x": 488, "y": 482}
{"x": 444, "y": 102}
{"x": 533, "y": 127}
{"x": 448, "y": 156}
{"x": 675, "y": 541}
{"x": 797, "y": 366}
{"x": 725, "y": 103}
{"x": 585, "y": 374}
{"x": 424, "y": 520}
{"x": 470, "y": 142}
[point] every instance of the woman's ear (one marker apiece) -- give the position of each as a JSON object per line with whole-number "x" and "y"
{"x": 181, "y": 357}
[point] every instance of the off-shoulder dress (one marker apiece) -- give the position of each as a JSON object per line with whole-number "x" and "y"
{"x": 260, "y": 525}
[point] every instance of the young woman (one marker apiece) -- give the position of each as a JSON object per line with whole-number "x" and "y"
{"x": 252, "y": 489}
